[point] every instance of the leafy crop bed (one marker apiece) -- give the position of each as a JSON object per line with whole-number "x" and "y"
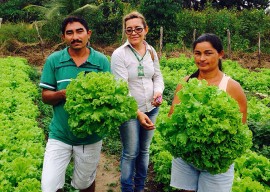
{"x": 21, "y": 140}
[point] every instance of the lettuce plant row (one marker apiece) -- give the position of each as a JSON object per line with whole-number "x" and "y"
{"x": 21, "y": 140}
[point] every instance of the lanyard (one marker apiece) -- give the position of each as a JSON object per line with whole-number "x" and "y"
{"x": 140, "y": 60}
{"x": 140, "y": 67}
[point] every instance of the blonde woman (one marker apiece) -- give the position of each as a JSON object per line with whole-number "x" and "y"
{"x": 137, "y": 63}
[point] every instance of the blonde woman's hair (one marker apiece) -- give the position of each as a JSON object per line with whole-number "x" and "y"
{"x": 133, "y": 15}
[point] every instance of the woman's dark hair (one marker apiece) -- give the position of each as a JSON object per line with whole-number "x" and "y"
{"x": 214, "y": 41}
{"x": 72, "y": 19}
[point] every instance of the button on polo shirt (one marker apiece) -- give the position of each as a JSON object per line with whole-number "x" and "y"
{"x": 57, "y": 73}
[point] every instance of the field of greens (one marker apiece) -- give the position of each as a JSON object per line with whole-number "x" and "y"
{"x": 22, "y": 139}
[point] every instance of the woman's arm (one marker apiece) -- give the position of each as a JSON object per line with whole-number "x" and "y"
{"x": 118, "y": 67}
{"x": 145, "y": 121}
{"x": 235, "y": 90}
{"x": 157, "y": 78}
{"x": 176, "y": 99}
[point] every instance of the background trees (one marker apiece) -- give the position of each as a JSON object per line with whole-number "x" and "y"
{"x": 12, "y": 11}
{"x": 239, "y": 4}
{"x": 179, "y": 19}
{"x": 161, "y": 13}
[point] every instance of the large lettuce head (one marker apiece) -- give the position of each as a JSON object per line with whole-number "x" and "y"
{"x": 206, "y": 128}
{"x": 97, "y": 103}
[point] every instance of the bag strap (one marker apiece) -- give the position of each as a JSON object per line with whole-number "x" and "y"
{"x": 152, "y": 54}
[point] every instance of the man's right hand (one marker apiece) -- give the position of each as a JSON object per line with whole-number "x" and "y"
{"x": 53, "y": 97}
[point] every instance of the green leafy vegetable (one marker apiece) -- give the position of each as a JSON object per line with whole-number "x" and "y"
{"x": 254, "y": 166}
{"x": 21, "y": 140}
{"x": 206, "y": 128}
{"x": 97, "y": 103}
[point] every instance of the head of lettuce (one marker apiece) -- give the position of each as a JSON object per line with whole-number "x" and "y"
{"x": 206, "y": 128}
{"x": 97, "y": 103}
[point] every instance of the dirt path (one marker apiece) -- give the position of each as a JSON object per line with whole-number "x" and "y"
{"x": 108, "y": 174}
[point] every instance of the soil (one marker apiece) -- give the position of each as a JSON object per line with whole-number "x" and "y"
{"x": 108, "y": 174}
{"x": 36, "y": 53}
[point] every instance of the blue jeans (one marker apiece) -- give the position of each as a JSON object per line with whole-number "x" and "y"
{"x": 135, "y": 155}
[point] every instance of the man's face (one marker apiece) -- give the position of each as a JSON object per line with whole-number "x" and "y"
{"x": 76, "y": 35}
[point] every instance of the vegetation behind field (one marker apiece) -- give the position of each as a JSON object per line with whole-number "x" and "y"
{"x": 180, "y": 22}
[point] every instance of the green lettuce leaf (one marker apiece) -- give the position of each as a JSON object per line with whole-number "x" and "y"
{"x": 97, "y": 103}
{"x": 206, "y": 128}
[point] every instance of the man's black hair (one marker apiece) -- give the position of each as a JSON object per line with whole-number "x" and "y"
{"x": 72, "y": 19}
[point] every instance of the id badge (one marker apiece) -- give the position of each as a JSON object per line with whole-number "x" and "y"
{"x": 140, "y": 71}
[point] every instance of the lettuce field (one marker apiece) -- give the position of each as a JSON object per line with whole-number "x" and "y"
{"x": 22, "y": 140}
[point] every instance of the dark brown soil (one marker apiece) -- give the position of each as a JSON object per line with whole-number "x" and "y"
{"x": 36, "y": 53}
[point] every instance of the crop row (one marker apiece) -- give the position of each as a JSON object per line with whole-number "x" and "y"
{"x": 21, "y": 140}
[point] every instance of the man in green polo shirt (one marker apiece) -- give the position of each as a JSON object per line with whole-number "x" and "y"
{"x": 59, "y": 69}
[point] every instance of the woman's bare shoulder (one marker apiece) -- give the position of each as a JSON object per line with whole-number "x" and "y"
{"x": 235, "y": 89}
{"x": 233, "y": 85}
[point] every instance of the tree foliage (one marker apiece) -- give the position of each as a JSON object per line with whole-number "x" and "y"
{"x": 104, "y": 17}
{"x": 239, "y": 4}
{"x": 161, "y": 13}
{"x": 179, "y": 19}
{"x": 12, "y": 10}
